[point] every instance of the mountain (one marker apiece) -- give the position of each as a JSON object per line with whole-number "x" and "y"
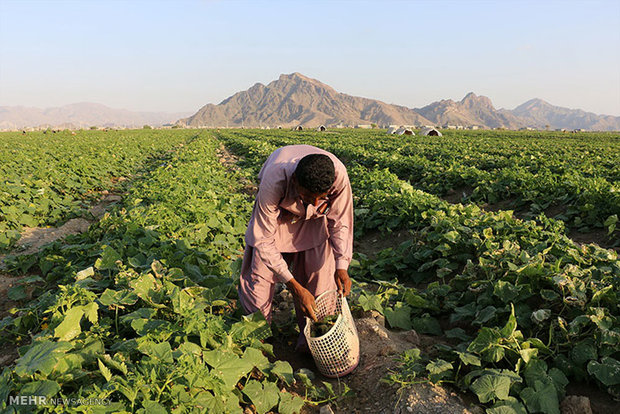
{"x": 538, "y": 113}
{"x": 296, "y": 99}
{"x": 471, "y": 110}
{"x": 80, "y": 115}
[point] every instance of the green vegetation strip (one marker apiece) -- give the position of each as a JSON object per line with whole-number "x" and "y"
{"x": 577, "y": 179}
{"x": 49, "y": 178}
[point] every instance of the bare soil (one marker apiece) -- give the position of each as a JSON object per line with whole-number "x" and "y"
{"x": 33, "y": 238}
{"x": 456, "y": 195}
{"x": 379, "y": 349}
{"x": 230, "y": 161}
{"x": 373, "y": 242}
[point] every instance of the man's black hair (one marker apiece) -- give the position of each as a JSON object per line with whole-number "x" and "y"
{"x": 316, "y": 173}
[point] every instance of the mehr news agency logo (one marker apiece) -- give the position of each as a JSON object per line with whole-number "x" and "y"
{"x": 42, "y": 400}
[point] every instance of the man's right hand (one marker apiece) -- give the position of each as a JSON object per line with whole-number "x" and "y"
{"x": 304, "y": 298}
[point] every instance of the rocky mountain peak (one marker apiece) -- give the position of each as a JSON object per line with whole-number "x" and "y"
{"x": 295, "y": 99}
{"x": 472, "y": 100}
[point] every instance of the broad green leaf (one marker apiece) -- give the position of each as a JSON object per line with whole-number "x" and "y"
{"x": 305, "y": 376}
{"x": 540, "y": 315}
{"x": 90, "y": 312}
{"x": 491, "y": 388}
{"x": 438, "y": 366}
{"x": 69, "y": 328}
{"x": 160, "y": 352}
{"x": 256, "y": 358}
{"x": 509, "y": 406}
{"x": 225, "y": 403}
{"x": 415, "y": 300}
{"x": 508, "y": 330}
{"x": 45, "y": 388}
{"x": 426, "y": 324}
{"x": 527, "y": 354}
{"x": 227, "y": 366}
{"x": 451, "y": 236}
{"x": 122, "y": 297}
{"x": 583, "y": 352}
{"x": 290, "y": 404}
{"x": 607, "y": 371}
{"x": 108, "y": 259}
{"x": 486, "y": 337}
{"x": 370, "y": 302}
{"x": 6, "y": 384}
{"x": 42, "y": 357}
{"x": 469, "y": 359}
{"x": 105, "y": 371}
{"x": 264, "y": 396}
{"x": 541, "y": 398}
{"x": 251, "y": 326}
{"x": 485, "y": 315}
{"x": 506, "y": 291}
{"x": 284, "y": 371}
{"x": 458, "y": 333}
{"x": 399, "y": 316}
{"x": 17, "y": 293}
{"x": 438, "y": 369}
{"x": 83, "y": 274}
{"x": 153, "y": 407}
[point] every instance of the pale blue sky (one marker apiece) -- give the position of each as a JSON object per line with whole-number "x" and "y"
{"x": 180, "y": 55}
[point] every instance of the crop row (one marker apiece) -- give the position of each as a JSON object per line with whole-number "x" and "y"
{"x": 522, "y": 309}
{"x": 576, "y": 182}
{"x": 49, "y": 178}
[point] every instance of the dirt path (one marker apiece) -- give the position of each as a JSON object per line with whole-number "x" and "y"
{"x": 379, "y": 348}
{"x": 33, "y": 238}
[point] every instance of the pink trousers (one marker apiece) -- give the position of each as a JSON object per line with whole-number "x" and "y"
{"x": 314, "y": 269}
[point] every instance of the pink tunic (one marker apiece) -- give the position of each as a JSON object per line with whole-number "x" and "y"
{"x": 280, "y": 222}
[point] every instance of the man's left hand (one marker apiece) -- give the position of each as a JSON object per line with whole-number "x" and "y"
{"x": 343, "y": 281}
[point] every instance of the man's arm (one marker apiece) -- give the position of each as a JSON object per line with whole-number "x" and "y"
{"x": 262, "y": 230}
{"x": 340, "y": 228}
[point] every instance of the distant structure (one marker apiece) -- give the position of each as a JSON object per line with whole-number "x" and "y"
{"x": 364, "y": 126}
{"x": 298, "y": 128}
{"x": 404, "y": 131}
{"x": 430, "y": 131}
{"x": 321, "y": 128}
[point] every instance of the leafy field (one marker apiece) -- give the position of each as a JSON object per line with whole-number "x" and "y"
{"x": 141, "y": 309}
{"x": 49, "y": 178}
{"x": 575, "y": 179}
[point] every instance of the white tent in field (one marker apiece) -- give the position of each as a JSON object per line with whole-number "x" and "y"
{"x": 298, "y": 128}
{"x": 321, "y": 128}
{"x": 392, "y": 130}
{"x": 430, "y": 131}
{"x": 403, "y": 131}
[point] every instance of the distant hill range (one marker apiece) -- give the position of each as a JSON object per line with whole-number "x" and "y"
{"x": 80, "y": 115}
{"x": 298, "y": 100}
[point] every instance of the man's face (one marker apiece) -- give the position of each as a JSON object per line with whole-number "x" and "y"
{"x": 310, "y": 198}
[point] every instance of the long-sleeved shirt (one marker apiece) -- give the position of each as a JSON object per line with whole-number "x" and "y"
{"x": 281, "y": 223}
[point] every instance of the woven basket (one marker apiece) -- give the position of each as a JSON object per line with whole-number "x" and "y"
{"x": 337, "y": 353}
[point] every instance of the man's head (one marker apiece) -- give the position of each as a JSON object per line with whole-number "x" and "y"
{"x": 314, "y": 175}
